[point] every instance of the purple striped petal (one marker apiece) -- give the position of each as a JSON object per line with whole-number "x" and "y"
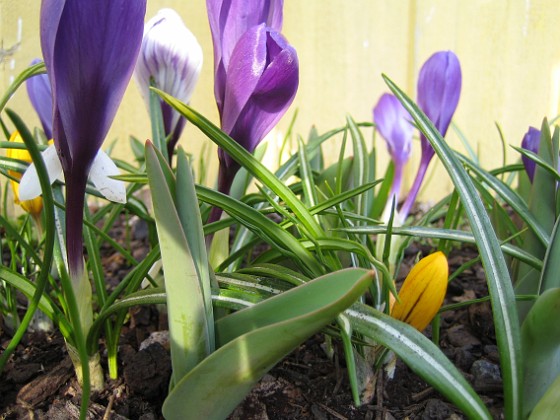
{"x": 90, "y": 49}
{"x": 260, "y": 86}
{"x": 531, "y": 141}
{"x": 393, "y": 123}
{"x": 40, "y": 94}
{"x": 171, "y": 55}
{"x": 229, "y": 20}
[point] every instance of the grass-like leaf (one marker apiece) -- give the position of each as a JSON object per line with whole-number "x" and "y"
{"x": 420, "y": 354}
{"x": 499, "y": 282}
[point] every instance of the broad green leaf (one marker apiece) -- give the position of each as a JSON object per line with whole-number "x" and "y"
{"x": 549, "y": 405}
{"x": 499, "y": 282}
{"x": 254, "y": 339}
{"x": 189, "y": 215}
{"x": 185, "y": 298}
{"x": 541, "y": 347}
{"x": 420, "y": 354}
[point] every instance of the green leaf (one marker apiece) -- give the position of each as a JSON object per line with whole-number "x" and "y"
{"x": 542, "y": 204}
{"x": 38, "y": 68}
{"x": 549, "y": 405}
{"x": 420, "y": 354}
{"x": 541, "y": 347}
{"x": 450, "y": 235}
{"x": 256, "y": 338}
{"x": 187, "y": 314}
{"x": 549, "y": 275}
{"x": 245, "y": 159}
{"x": 499, "y": 282}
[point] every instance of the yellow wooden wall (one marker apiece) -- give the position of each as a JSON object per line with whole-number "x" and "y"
{"x": 508, "y": 51}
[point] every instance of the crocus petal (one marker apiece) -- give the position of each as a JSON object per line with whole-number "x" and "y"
{"x": 439, "y": 88}
{"x": 260, "y": 87}
{"x": 90, "y": 49}
{"x": 531, "y": 141}
{"x": 393, "y": 123}
{"x": 29, "y": 186}
{"x": 40, "y": 94}
{"x": 102, "y": 169}
{"x": 229, "y": 20}
{"x": 422, "y": 292}
{"x": 171, "y": 55}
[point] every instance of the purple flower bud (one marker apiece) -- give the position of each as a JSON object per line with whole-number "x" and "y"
{"x": 439, "y": 88}
{"x": 229, "y": 20}
{"x": 393, "y": 123}
{"x": 171, "y": 55}
{"x": 40, "y": 94}
{"x": 259, "y": 87}
{"x": 531, "y": 141}
{"x": 90, "y": 49}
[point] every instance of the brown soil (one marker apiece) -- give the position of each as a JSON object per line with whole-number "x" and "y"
{"x": 38, "y": 383}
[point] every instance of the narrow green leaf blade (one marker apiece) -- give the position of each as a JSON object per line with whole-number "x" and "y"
{"x": 421, "y": 355}
{"x": 497, "y": 274}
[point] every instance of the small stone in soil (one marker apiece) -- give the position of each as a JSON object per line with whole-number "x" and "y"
{"x": 487, "y": 376}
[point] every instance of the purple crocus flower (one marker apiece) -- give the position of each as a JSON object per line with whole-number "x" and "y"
{"x": 256, "y": 74}
{"x": 439, "y": 88}
{"x": 531, "y": 141}
{"x": 90, "y": 49}
{"x": 229, "y": 20}
{"x": 40, "y": 95}
{"x": 393, "y": 123}
{"x": 171, "y": 55}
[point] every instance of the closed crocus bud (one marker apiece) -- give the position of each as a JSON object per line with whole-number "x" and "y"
{"x": 422, "y": 292}
{"x": 439, "y": 88}
{"x": 171, "y": 56}
{"x": 229, "y": 20}
{"x": 40, "y": 94}
{"x": 260, "y": 86}
{"x": 35, "y": 205}
{"x": 531, "y": 141}
{"x": 392, "y": 121}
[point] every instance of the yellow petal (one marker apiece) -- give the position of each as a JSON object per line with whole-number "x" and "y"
{"x": 423, "y": 291}
{"x": 20, "y": 154}
{"x": 33, "y": 207}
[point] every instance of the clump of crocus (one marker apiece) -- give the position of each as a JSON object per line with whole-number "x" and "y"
{"x": 392, "y": 121}
{"x": 439, "y": 88}
{"x": 34, "y": 206}
{"x": 422, "y": 292}
{"x": 256, "y": 74}
{"x": 531, "y": 141}
{"x": 90, "y": 49}
{"x": 171, "y": 59}
{"x": 40, "y": 94}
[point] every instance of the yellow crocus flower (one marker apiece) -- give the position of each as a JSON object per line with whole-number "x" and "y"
{"x": 423, "y": 291}
{"x": 34, "y": 206}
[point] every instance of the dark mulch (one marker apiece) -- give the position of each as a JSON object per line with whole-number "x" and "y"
{"x": 38, "y": 383}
